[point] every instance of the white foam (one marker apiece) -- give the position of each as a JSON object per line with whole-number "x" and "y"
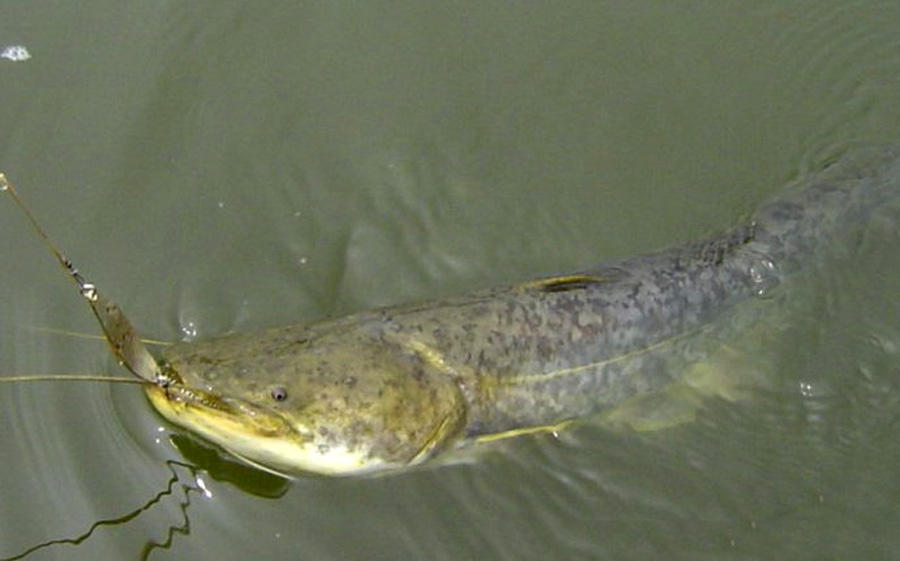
{"x": 15, "y": 53}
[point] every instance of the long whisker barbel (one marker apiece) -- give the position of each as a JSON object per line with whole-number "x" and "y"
{"x": 72, "y": 378}
{"x": 67, "y": 333}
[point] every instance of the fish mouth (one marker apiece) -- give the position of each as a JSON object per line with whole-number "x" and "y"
{"x": 254, "y": 434}
{"x": 218, "y": 418}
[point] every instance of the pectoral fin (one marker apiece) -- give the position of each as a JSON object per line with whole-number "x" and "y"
{"x": 522, "y": 431}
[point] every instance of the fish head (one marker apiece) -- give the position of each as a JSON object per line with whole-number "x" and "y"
{"x": 340, "y": 404}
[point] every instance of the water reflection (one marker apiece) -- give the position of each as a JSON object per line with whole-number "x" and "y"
{"x": 178, "y": 489}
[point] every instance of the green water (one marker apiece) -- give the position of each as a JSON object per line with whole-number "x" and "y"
{"x": 220, "y": 166}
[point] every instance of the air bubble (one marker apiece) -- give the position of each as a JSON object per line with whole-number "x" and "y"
{"x": 15, "y": 53}
{"x": 764, "y": 276}
{"x": 189, "y": 330}
{"x": 806, "y": 389}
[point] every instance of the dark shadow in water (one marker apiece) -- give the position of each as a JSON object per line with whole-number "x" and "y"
{"x": 225, "y": 469}
{"x": 202, "y": 458}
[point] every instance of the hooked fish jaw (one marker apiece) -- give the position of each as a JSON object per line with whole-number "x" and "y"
{"x": 262, "y": 438}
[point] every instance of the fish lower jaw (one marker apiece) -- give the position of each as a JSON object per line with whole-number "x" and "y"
{"x": 278, "y": 454}
{"x": 283, "y": 456}
{"x": 293, "y": 459}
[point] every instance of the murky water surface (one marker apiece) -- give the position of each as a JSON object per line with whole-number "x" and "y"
{"x": 222, "y": 166}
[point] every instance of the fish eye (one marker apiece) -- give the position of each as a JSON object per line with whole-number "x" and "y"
{"x": 279, "y": 393}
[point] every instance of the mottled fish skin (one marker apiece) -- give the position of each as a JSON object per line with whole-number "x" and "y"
{"x": 397, "y": 385}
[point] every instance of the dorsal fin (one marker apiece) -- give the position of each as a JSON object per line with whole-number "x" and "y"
{"x": 563, "y": 283}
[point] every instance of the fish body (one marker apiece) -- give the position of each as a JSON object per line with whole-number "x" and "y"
{"x": 392, "y": 387}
